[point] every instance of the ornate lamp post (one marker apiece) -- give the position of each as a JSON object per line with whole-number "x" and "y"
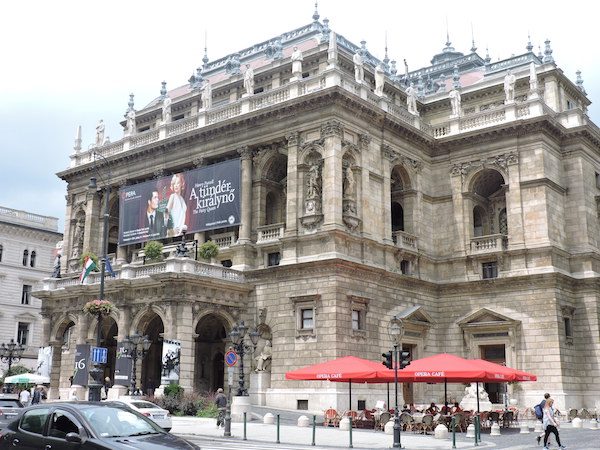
{"x": 96, "y": 372}
{"x": 136, "y": 346}
{"x": 237, "y": 336}
{"x": 10, "y": 353}
{"x": 396, "y": 331}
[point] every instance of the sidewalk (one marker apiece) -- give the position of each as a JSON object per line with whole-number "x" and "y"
{"x": 330, "y": 437}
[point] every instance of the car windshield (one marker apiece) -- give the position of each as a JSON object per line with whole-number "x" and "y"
{"x": 116, "y": 422}
{"x": 144, "y": 405}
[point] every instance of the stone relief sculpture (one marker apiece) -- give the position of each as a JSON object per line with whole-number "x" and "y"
{"x": 509, "y": 87}
{"x": 379, "y": 79}
{"x": 130, "y": 116}
{"x": 206, "y": 95}
{"x": 77, "y": 246}
{"x": 297, "y": 59}
{"x": 359, "y": 70}
{"x": 166, "y": 109}
{"x": 349, "y": 186}
{"x": 249, "y": 80}
{"x": 313, "y": 185}
{"x": 56, "y": 268}
{"x": 99, "y": 133}
{"x": 265, "y": 355}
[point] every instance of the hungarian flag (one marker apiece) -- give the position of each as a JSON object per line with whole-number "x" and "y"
{"x": 88, "y": 266}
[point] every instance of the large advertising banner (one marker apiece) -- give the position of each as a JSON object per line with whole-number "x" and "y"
{"x": 44, "y": 361}
{"x": 171, "y": 350}
{"x": 123, "y": 366}
{"x": 202, "y": 199}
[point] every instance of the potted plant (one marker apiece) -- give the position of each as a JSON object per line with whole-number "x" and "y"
{"x": 208, "y": 250}
{"x": 96, "y": 307}
{"x": 153, "y": 251}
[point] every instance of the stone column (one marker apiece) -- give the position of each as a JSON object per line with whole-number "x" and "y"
{"x": 332, "y": 175}
{"x": 458, "y": 174}
{"x": 386, "y": 200}
{"x": 294, "y": 194}
{"x": 185, "y": 333}
{"x": 514, "y": 204}
{"x": 246, "y": 225}
{"x": 54, "y": 391}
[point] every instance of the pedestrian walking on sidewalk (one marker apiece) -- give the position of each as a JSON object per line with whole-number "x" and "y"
{"x": 539, "y": 414}
{"x": 551, "y": 424}
{"x": 221, "y": 402}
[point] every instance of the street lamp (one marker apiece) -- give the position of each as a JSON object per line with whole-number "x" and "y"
{"x": 96, "y": 372}
{"x": 10, "y": 353}
{"x": 237, "y": 336}
{"x": 396, "y": 331}
{"x": 136, "y": 346}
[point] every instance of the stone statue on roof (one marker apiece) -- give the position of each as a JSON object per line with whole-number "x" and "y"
{"x": 130, "y": 116}
{"x": 359, "y": 71}
{"x": 99, "y": 133}
{"x": 509, "y": 87}
{"x": 166, "y": 109}
{"x": 455, "y": 102}
{"x": 379, "y": 79}
{"x": 206, "y": 95}
{"x": 297, "y": 59}
{"x": 249, "y": 80}
{"x": 411, "y": 99}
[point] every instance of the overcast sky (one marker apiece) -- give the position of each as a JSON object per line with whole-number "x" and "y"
{"x": 69, "y": 63}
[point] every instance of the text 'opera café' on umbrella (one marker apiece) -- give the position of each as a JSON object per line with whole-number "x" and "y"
{"x": 462, "y": 197}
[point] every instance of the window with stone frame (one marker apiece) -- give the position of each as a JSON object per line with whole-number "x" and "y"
{"x": 567, "y": 313}
{"x": 1, "y": 250}
{"x": 23, "y": 333}
{"x": 32, "y": 259}
{"x": 305, "y": 309}
{"x": 26, "y": 294}
{"x": 25, "y": 257}
{"x": 489, "y": 270}
{"x": 358, "y": 315}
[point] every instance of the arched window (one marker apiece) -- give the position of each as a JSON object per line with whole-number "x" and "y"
{"x": 502, "y": 222}
{"x": 271, "y": 209}
{"x": 397, "y": 217}
{"x": 1, "y": 248}
{"x": 32, "y": 259}
{"x": 25, "y": 257}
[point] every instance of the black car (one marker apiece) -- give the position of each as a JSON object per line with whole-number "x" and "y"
{"x": 86, "y": 425}
{"x": 10, "y": 408}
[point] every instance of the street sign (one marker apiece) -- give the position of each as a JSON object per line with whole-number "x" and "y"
{"x": 231, "y": 358}
{"x": 99, "y": 355}
{"x": 230, "y": 370}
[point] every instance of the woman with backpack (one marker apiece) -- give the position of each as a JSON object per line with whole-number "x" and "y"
{"x": 539, "y": 414}
{"x": 550, "y": 424}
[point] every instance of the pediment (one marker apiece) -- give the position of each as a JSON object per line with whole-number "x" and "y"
{"x": 416, "y": 314}
{"x": 27, "y": 316}
{"x": 486, "y": 317}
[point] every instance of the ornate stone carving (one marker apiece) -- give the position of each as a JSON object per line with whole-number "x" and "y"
{"x": 198, "y": 162}
{"x": 293, "y": 138}
{"x": 331, "y": 128}
{"x": 501, "y": 161}
{"x": 396, "y": 157}
{"x": 159, "y": 172}
{"x": 346, "y": 145}
{"x": 245, "y": 152}
{"x": 364, "y": 140}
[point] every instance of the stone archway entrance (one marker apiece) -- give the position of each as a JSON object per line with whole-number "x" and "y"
{"x": 108, "y": 334}
{"x": 210, "y": 349}
{"x": 148, "y": 378}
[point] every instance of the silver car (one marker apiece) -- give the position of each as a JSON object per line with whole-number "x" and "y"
{"x": 158, "y": 415}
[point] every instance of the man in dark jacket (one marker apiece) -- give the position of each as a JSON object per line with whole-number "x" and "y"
{"x": 221, "y": 402}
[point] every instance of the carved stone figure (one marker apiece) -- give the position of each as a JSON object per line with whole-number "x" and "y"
{"x": 56, "y": 271}
{"x": 265, "y": 355}
{"x": 379, "y": 79}
{"x": 99, "y": 133}
{"x": 533, "y": 81}
{"x": 313, "y": 184}
{"x": 455, "y": 101}
{"x": 509, "y": 87}
{"x": 130, "y": 122}
{"x": 77, "y": 240}
{"x": 349, "y": 184}
{"x": 411, "y": 99}
{"x": 249, "y": 80}
{"x": 207, "y": 95}
{"x": 297, "y": 59}
{"x": 359, "y": 71}
{"x": 166, "y": 109}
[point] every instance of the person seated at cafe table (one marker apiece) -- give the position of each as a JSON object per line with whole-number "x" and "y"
{"x": 413, "y": 408}
{"x": 433, "y": 409}
{"x": 456, "y": 408}
{"x": 445, "y": 410}
{"x": 405, "y": 408}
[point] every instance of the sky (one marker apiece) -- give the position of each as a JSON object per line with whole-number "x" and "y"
{"x": 69, "y": 63}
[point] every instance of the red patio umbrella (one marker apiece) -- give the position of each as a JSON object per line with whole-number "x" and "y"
{"x": 347, "y": 368}
{"x": 513, "y": 374}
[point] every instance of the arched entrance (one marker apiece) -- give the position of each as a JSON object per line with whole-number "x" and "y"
{"x": 148, "y": 378}
{"x": 211, "y": 343}
{"x": 108, "y": 334}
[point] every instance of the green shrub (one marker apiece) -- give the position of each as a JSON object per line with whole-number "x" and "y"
{"x": 173, "y": 390}
{"x": 167, "y": 402}
{"x": 209, "y": 410}
{"x": 208, "y": 250}
{"x": 153, "y": 251}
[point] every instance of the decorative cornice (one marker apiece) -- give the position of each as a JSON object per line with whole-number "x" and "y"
{"x": 293, "y": 138}
{"x": 395, "y": 157}
{"x": 198, "y": 162}
{"x": 347, "y": 145}
{"x": 501, "y": 161}
{"x": 158, "y": 173}
{"x": 245, "y": 152}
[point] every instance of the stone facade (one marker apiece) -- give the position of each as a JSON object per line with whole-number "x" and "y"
{"x": 27, "y": 255}
{"x": 478, "y": 229}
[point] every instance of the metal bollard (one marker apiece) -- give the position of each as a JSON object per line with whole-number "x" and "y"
{"x": 244, "y": 426}
{"x": 277, "y": 429}
{"x": 350, "y": 420}
{"x": 477, "y": 429}
{"x": 314, "y": 430}
{"x": 453, "y": 425}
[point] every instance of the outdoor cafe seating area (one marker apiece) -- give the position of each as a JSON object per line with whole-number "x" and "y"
{"x": 419, "y": 421}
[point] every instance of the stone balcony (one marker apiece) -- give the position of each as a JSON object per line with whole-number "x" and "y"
{"x": 405, "y": 241}
{"x": 133, "y": 271}
{"x": 493, "y": 243}
{"x": 530, "y": 106}
{"x": 270, "y": 233}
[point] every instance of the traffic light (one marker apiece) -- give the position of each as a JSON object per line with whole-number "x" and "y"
{"x": 387, "y": 362}
{"x": 404, "y": 359}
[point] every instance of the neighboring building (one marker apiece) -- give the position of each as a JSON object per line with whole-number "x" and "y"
{"x": 462, "y": 197}
{"x": 27, "y": 252}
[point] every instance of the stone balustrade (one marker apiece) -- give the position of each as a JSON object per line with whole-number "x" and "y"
{"x": 270, "y": 233}
{"x": 487, "y": 244}
{"x": 405, "y": 240}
